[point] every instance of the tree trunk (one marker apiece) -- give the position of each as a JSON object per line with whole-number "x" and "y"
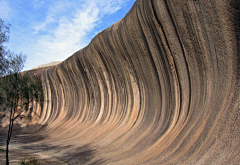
{"x": 9, "y": 135}
{"x": 8, "y": 141}
{"x": 7, "y": 159}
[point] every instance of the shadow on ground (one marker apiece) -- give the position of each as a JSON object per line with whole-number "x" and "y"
{"x": 81, "y": 155}
{"x": 29, "y": 141}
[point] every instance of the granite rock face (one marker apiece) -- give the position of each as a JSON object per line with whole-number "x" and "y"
{"x": 161, "y": 86}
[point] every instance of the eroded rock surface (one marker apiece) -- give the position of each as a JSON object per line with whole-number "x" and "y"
{"x": 161, "y": 86}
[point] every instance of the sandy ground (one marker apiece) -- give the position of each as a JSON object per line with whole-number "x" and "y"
{"x": 27, "y": 142}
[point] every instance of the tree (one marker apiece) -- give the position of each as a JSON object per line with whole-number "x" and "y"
{"x": 18, "y": 89}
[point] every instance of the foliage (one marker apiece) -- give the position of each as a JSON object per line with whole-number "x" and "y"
{"x": 17, "y": 91}
{"x": 4, "y": 30}
{"x": 30, "y": 161}
{"x": 9, "y": 62}
{"x": 2, "y": 149}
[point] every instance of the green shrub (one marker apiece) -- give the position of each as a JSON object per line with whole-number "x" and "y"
{"x": 30, "y": 161}
{"x": 2, "y": 149}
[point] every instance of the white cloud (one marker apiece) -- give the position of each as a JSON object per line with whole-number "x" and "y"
{"x": 111, "y": 6}
{"x": 65, "y": 29}
{"x": 5, "y": 10}
{"x": 37, "y": 4}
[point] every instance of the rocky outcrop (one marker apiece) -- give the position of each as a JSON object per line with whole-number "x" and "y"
{"x": 161, "y": 86}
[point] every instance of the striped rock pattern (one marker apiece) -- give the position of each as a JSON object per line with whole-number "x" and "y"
{"x": 161, "y": 86}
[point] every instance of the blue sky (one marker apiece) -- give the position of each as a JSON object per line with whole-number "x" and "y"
{"x": 52, "y": 30}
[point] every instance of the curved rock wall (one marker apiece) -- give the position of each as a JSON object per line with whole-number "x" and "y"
{"x": 160, "y": 86}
